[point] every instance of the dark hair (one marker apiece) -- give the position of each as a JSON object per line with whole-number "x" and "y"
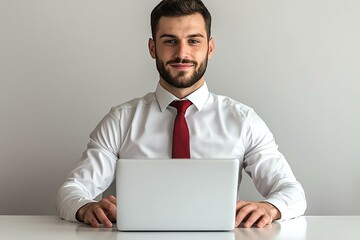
{"x": 176, "y": 8}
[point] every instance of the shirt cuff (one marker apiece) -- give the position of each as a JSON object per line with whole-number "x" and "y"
{"x": 287, "y": 212}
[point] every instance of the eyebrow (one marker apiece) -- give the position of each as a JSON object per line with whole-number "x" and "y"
{"x": 189, "y": 36}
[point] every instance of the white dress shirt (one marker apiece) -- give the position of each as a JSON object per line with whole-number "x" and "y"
{"x": 219, "y": 127}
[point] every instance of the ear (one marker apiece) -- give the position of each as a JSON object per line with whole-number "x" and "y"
{"x": 211, "y": 47}
{"x": 151, "y": 46}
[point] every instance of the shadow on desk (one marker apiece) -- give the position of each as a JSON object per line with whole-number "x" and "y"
{"x": 268, "y": 232}
{"x": 176, "y": 235}
{"x": 104, "y": 233}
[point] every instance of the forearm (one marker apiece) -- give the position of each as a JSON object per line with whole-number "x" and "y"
{"x": 70, "y": 198}
{"x": 289, "y": 198}
{"x": 276, "y": 182}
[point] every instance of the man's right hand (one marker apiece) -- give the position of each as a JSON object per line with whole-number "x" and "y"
{"x": 96, "y": 213}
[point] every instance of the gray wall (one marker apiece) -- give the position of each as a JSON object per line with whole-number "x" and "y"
{"x": 64, "y": 63}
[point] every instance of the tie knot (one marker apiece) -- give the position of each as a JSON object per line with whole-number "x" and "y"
{"x": 181, "y": 106}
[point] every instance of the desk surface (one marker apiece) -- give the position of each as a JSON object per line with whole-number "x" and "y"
{"x": 309, "y": 227}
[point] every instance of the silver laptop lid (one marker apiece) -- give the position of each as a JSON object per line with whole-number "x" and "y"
{"x": 176, "y": 194}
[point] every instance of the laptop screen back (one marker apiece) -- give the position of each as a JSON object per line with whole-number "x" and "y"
{"x": 176, "y": 194}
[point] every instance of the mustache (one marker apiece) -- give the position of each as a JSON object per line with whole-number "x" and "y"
{"x": 179, "y": 60}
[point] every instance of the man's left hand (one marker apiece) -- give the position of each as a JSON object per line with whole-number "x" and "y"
{"x": 259, "y": 213}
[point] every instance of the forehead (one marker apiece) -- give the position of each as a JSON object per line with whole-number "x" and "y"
{"x": 182, "y": 26}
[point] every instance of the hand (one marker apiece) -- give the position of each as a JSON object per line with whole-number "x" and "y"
{"x": 261, "y": 213}
{"x": 96, "y": 213}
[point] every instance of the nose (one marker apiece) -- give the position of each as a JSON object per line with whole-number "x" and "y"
{"x": 182, "y": 50}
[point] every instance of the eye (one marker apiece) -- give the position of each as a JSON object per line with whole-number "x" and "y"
{"x": 170, "y": 41}
{"x": 193, "y": 41}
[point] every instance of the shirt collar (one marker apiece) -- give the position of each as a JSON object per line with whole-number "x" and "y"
{"x": 198, "y": 98}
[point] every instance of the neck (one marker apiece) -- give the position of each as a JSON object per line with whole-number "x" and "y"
{"x": 181, "y": 92}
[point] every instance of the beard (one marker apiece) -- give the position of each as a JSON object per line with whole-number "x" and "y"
{"x": 180, "y": 80}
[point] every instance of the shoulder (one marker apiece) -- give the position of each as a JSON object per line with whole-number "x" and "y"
{"x": 134, "y": 104}
{"x": 231, "y": 105}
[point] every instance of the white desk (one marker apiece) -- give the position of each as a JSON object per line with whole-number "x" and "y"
{"x": 310, "y": 227}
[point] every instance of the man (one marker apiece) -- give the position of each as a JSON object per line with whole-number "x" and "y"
{"x": 181, "y": 44}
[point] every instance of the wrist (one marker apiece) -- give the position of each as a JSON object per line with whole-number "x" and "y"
{"x": 80, "y": 213}
{"x": 274, "y": 211}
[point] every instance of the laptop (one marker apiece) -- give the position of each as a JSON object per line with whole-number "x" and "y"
{"x": 176, "y": 194}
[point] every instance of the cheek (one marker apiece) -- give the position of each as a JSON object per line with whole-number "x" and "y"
{"x": 201, "y": 57}
{"x": 163, "y": 53}
{"x": 200, "y": 53}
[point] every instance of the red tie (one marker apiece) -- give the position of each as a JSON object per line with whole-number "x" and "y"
{"x": 181, "y": 143}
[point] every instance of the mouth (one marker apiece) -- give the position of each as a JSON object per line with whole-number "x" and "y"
{"x": 182, "y": 66}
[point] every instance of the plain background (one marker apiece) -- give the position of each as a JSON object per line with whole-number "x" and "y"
{"x": 65, "y": 63}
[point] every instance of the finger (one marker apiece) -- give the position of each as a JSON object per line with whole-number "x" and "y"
{"x": 112, "y": 216}
{"x": 240, "y": 204}
{"x": 89, "y": 218}
{"x": 243, "y": 213}
{"x": 239, "y": 218}
{"x": 253, "y": 218}
{"x": 265, "y": 220}
{"x": 101, "y": 216}
{"x": 109, "y": 208}
{"x": 112, "y": 199}
{"x": 111, "y": 213}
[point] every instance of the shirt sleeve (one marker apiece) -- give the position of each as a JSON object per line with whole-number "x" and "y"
{"x": 95, "y": 170}
{"x": 270, "y": 172}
